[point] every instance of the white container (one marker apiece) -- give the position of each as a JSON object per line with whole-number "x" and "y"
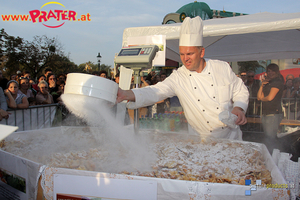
{"x": 92, "y": 86}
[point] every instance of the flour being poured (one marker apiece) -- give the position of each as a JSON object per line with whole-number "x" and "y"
{"x": 127, "y": 150}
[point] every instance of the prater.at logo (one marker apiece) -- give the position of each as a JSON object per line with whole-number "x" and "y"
{"x": 53, "y": 18}
{"x": 60, "y": 16}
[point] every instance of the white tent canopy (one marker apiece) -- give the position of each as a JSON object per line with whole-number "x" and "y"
{"x": 258, "y": 36}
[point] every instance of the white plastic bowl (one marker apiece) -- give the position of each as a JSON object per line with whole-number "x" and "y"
{"x": 92, "y": 86}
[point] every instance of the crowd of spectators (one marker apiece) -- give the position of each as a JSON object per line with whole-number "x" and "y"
{"x": 271, "y": 99}
{"x": 21, "y": 91}
{"x": 291, "y": 91}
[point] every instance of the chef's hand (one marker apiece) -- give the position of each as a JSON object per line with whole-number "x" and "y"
{"x": 125, "y": 95}
{"x": 239, "y": 112}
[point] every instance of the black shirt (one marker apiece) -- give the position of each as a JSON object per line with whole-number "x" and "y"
{"x": 274, "y": 106}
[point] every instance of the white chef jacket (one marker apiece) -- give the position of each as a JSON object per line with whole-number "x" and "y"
{"x": 202, "y": 95}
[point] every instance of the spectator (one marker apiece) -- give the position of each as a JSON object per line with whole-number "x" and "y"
{"x": 163, "y": 76}
{"x": 43, "y": 96}
{"x": 144, "y": 81}
{"x": 48, "y": 71}
{"x": 13, "y": 98}
{"x": 13, "y": 77}
{"x": 295, "y": 91}
{"x": 243, "y": 76}
{"x": 270, "y": 93}
{"x": 289, "y": 77}
{"x": 31, "y": 84}
{"x": 155, "y": 79}
{"x": 19, "y": 74}
{"x": 24, "y": 89}
{"x": 61, "y": 86}
{"x": 132, "y": 84}
{"x": 39, "y": 79}
{"x": 51, "y": 80}
{"x": 288, "y": 104}
{"x": 288, "y": 87}
{"x": 57, "y": 98}
{"x": 61, "y": 77}
{"x": 60, "y": 90}
{"x": 295, "y": 104}
{"x": 27, "y": 75}
{"x": 253, "y": 86}
{"x": 3, "y": 106}
{"x": 95, "y": 73}
{"x": 103, "y": 73}
{"x": 3, "y": 81}
{"x": 150, "y": 75}
{"x": 117, "y": 78}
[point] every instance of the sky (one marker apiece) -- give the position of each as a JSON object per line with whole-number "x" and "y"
{"x": 82, "y": 40}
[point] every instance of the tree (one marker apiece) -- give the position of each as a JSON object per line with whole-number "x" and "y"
{"x": 92, "y": 67}
{"x": 62, "y": 65}
{"x": 10, "y": 48}
{"x": 41, "y": 53}
{"x": 19, "y": 54}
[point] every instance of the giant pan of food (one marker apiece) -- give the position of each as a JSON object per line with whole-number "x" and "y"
{"x": 217, "y": 161}
{"x": 166, "y": 155}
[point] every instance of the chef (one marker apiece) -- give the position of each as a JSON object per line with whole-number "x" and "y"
{"x": 205, "y": 88}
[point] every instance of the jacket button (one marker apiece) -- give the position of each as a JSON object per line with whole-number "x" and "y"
{"x": 214, "y": 97}
{"x": 195, "y": 87}
{"x": 190, "y": 74}
{"x": 203, "y": 110}
{"x": 208, "y": 72}
{"x": 212, "y": 84}
{"x": 208, "y": 122}
{"x": 217, "y": 107}
{"x": 198, "y": 99}
{"x": 210, "y": 131}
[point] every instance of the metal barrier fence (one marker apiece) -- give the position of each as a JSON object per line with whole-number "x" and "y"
{"x": 34, "y": 117}
{"x": 290, "y": 108}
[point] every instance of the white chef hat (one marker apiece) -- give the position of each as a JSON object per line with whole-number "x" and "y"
{"x": 191, "y": 32}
